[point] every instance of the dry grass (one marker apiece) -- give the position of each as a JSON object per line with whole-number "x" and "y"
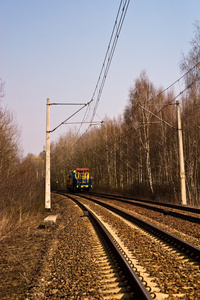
{"x": 11, "y": 222}
{"x": 22, "y": 246}
{"x": 7, "y": 226}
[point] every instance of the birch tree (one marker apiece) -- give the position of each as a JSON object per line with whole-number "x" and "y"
{"x": 191, "y": 116}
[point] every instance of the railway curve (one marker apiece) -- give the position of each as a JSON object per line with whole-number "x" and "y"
{"x": 132, "y": 279}
{"x": 181, "y": 245}
{"x": 161, "y": 264}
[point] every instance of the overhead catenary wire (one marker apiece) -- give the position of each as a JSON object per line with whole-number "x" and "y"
{"x": 110, "y": 52}
{"x": 177, "y": 81}
{"x": 181, "y": 92}
{"x": 170, "y": 103}
{"x": 121, "y": 13}
{"x": 107, "y": 59}
{"x": 174, "y": 98}
{"x": 110, "y": 140}
{"x": 105, "y": 67}
{"x": 64, "y": 122}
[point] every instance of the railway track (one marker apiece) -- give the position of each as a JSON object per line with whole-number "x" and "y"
{"x": 177, "y": 243}
{"x": 175, "y": 266}
{"x": 117, "y": 260}
{"x": 181, "y": 228}
{"x": 180, "y": 207}
{"x": 120, "y": 279}
{"x": 167, "y": 262}
{"x": 158, "y": 207}
{"x": 83, "y": 261}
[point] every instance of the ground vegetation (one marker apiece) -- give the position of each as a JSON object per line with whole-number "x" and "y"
{"x": 21, "y": 179}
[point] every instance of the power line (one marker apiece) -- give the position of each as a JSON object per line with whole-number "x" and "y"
{"x": 108, "y": 57}
{"x": 121, "y": 13}
{"x": 110, "y": 52}
{"x": 83, "y": 105}
{"x": 105, "y": 68}
{"x": 164, "y": 105}
{"x": 179, "y": 94}
{"x": 198, "y": 63}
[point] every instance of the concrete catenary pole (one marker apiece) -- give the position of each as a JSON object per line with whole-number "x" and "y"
{"x": 47, "y": 172}
{"x": 181, "y": 157}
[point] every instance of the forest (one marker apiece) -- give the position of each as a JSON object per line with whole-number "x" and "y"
{"x": 21, "y": 179}
{"x": 135, "y": 154}
{"x": 138, "y": 152}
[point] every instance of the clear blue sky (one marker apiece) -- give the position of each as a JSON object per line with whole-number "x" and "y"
{"x": 55, "y": 49}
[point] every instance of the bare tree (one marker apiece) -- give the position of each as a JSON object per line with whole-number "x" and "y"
{"x": 190, "y": 111}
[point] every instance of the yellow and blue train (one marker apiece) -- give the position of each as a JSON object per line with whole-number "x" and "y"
{"x": 79, "y": 180}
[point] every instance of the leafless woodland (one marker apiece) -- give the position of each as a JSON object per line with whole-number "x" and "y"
{"x": 137, "y": 153}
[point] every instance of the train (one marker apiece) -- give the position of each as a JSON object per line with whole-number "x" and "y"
{"x": 79, "y": 180}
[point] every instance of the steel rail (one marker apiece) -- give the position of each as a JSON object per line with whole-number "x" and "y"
{"x": 133, "y": 281}
{"x": 174, "y": 206}
{"x": 177, "y": 243}
{"x": 154, "y": 208}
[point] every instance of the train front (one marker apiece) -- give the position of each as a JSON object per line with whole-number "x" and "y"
{"x": 83, "y": 179}
{"x": 79, "y": 180}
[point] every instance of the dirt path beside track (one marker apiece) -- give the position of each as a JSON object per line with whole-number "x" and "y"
{"x": 39, "y": 263}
